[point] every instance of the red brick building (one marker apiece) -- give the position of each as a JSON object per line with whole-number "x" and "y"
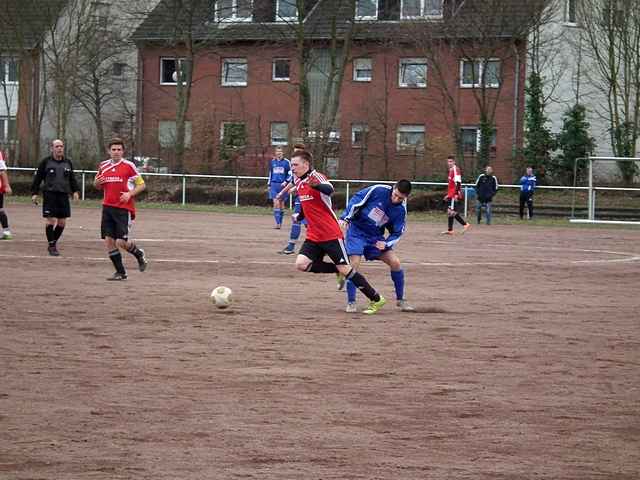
{"x": 395, "y": 115}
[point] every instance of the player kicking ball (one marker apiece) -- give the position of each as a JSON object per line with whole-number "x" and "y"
{"x": 370, "y": 213}
{"x": 324, "y": 235}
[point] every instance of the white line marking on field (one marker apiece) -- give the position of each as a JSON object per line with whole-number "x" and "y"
{"x": 630, "y": 258}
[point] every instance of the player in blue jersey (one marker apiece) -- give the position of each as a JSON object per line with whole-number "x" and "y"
{"x": 279, "y": 170}
{"x": 527, "y": 187}
{"x": 296, "y": 225}
{"x": 369, "y": 213}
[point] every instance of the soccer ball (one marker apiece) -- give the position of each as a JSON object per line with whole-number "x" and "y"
{"x": 221, "y": 297}
{"x": 174, "y": 76}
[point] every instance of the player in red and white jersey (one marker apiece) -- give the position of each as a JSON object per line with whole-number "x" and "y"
{"x": 5, "y": 187}
{"x": 120, "y": 182}
{"x": 324, "y": 236}
{"x": 454, "y": 197}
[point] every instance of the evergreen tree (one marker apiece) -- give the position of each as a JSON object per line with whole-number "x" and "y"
{"x": 574, "y": 142}
{"x": 539, "y": 141}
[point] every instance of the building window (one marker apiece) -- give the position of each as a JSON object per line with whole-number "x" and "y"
{"x": 413, "y": 73}
{"x": 475, "y": 73}
{"x": 470, "y": 137}
{"x": 570, "y": 12}
{"x": 362, "y": 69}
{"x": 233, "y": 134}
{"x": 100, "y": 14}
{"x": 286, "y": 10}
{"x": 279, "y": 133}
{"x": 410, "y": 137}
{"x": 168, "y": 74}
{"x": 366, "y": 9}
{"x": 359, "y": 135}
{"x": 167, "y": 133}
{"x": 234, "y": 72}
{"x": 280, "y": 72}
{"x": 8, "y": 130}
{"x": 8, "y": 70}
{"x": 118, "y": 69}
{"x": 331, "y": 166}
{"x": 234, "y": 10}
{"x": 421, "y": 9}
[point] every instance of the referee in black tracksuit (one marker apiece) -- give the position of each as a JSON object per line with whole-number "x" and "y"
{"x": 56, "y": 171}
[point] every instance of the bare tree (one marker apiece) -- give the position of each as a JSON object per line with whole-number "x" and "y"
{"x": 23, "y": 25}
{"x": 611, "y": 40}
{"x": 484, "y": 36}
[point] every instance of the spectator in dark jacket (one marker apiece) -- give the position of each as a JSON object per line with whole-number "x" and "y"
{"x": 486, "y": 188}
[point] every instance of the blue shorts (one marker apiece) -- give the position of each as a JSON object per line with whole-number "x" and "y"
{"x": 357, "y": 243}
{"x": 274, "y": 190}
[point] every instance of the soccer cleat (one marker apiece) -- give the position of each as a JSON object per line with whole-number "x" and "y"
{"x": 286, "y": 251}
{"x": 375, "y": 306}
{"x": 447, "y": 232}
{"x": 277, "y": 226}
{"x": 404, "y": 306}
{"x": 117, "y": 277}
{"x": 340, "y": 280}
{"x": 6, "y": 236}
{"x": 465, "y": 228}
{"x": 351, "y": 308}
{"x": 142, "y": 261}
{"x": 53, "y": 251}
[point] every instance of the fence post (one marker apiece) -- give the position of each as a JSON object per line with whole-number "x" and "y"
{"x": 346, "y": 198}
{"x": 184, "y": 190}
{"x": 83, "y": 180}
{"x": 593, "y": 206}
{"x": 237, "y": 191}
{"x": 466, "y": 200}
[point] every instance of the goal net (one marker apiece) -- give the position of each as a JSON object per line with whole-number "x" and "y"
{"x": 600, "y": 194}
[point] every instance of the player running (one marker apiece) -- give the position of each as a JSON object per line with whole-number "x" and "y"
{"x": 454, "y": 198}
{"x": 120, "y": 182}
{"x": 369, "y": 213}
{"x": 5, "y": 188}
{"x": 324, "y": 235}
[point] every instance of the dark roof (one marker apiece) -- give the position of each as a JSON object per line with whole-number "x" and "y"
{"x": 24, "y": 22}
{"x": 462, "y": 18}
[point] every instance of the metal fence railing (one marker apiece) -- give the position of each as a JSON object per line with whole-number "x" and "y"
{"x": 238, "y": 182}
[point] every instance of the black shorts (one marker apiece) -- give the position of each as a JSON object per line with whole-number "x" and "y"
{"x": 55, "y": 205}
{"x": 334, "y": 249}
{"x": 115, "y": 222}
{"x": 1, "y": 200}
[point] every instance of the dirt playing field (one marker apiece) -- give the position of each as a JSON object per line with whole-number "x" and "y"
{"x": 523, "y": 362}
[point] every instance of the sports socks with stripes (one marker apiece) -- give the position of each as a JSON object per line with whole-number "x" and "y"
{"x": 398, "y": 282}
{"x": 4, "y": 221}
{"x": 116, "y": 258}
{"x": 134, "y": 250}
{"x": 278, "y": 215}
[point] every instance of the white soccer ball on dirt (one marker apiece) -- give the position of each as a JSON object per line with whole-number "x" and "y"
{"x": 222, "y": 297}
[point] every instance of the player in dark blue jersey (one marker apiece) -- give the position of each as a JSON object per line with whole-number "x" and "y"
{"x": 279, "y": 170}
{"x": 369, "y": 213}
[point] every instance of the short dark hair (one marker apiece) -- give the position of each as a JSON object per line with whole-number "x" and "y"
{"x": 116, "y": 141}
{"x": 299, "y": 146}
{"x": 304, "y": 155}
{"x": 451, "y": 157}
{"x": 404, "y": 186}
